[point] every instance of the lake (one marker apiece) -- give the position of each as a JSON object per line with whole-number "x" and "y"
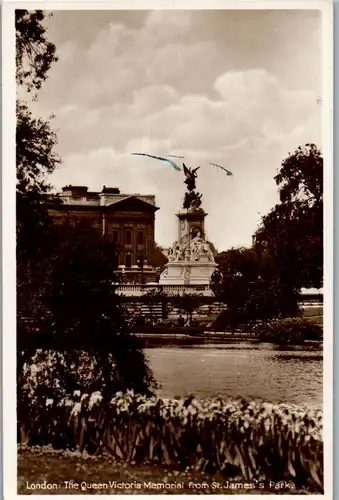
{"x": 240, "y": 369}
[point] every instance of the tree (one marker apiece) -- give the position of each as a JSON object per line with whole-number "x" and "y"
{"x": 70, "y": 295}
{"x": 35, "y": 159}
{"x": 35, "y": 155}
{"x": 34, "y": 52}
{"x": 187, "y": 303}
{"x": 154, "y": 297}
{"x": 246, "y": 282}
{"x": 35, "y": 139}
{"x": 157, "y": 259}
{"x": 292, "y": 233}
{"x": 301, "y": 176}
{"x": 264, "y": 281}
{"x": 65, "y": 273}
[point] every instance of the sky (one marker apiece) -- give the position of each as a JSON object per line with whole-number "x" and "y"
{"x": 237, "y": 88}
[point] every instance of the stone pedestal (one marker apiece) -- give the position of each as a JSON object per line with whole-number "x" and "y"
{"x": 191, "y": 260}
{"x": 182, "y": 273}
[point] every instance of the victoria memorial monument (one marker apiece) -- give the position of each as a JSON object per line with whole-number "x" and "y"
{"x": 190, "y": 258}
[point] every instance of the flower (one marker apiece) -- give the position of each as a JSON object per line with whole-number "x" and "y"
{"x": 76, "y": 409}
{"x": 94, "y": 399}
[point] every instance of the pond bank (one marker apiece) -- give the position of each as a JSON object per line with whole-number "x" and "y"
{"x": 172, "y": 339}
{"x": 218, "y": 336}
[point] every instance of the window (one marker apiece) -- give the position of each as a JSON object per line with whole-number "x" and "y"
{"x": 140, "y": 238}
{"x": 115, "y": 236}
{"x": 128, "y": 260}
{"x": 140, "y": 260}
{"x": 116, "y": 259}
{"x": 128, "y": 237}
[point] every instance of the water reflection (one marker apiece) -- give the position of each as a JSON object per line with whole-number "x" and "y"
{"x": 242, "y": 369}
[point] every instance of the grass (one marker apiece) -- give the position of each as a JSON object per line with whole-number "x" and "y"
{"x": 55, "y": 468}
{"x": 315, "y": 314}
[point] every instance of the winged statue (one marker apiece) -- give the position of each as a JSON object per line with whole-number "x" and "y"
{"x": 191, "y": 175}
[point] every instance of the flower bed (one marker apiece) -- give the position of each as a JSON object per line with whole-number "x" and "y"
{"x": 255, "y": 441}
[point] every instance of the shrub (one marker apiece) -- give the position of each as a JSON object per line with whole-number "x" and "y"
{"x": 287, "y": 331}
{"x": 53, "y": 374}
{"x": 256, "y": 441}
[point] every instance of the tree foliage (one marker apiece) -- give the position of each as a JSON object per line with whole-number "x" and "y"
{"x": 35, "y": 159}
{"x": 301, "y": 176}
{"x": 246, "y": 281}
{"x": 70, "y": 296}
{"x": 68, "y": 315}
{"x": 34, "y": 52}
{"x": 187, "y": 303}
{"x": 154, "y": 297}
{"x": 157, "y": 258}
{"x": 35, "y": 151}
{"x": 292, "y": 233}
{"x": 73, "y": 277}
{"x": 265, "y": 281}
{"x": 35, "y": 139}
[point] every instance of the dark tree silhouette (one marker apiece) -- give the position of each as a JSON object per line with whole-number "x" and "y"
{"x": 34, "y": 52}
{"x": 265, "y": 281}
{"x": 292, "y": 233}
{"x": 70, "y": 315}
{"x": 35, "y": 139}
{"x": 66, "y": 300}
{"x": 246, "y": 282}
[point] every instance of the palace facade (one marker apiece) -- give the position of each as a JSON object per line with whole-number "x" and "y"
{"x": 129, "y": 219}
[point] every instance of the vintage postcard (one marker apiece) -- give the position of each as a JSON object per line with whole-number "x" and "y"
{"x": 167, "y": 248}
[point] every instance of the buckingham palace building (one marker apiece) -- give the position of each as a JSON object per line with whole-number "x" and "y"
{"x": 128, "y": 219}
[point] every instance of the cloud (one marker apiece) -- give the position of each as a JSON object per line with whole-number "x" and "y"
{"x": 178, "y": 83}
{"x": 196, "y": 121}
{"x": 203, "y": 130}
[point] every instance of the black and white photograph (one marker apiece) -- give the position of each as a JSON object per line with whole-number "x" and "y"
{"x": 172, "y": 249}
